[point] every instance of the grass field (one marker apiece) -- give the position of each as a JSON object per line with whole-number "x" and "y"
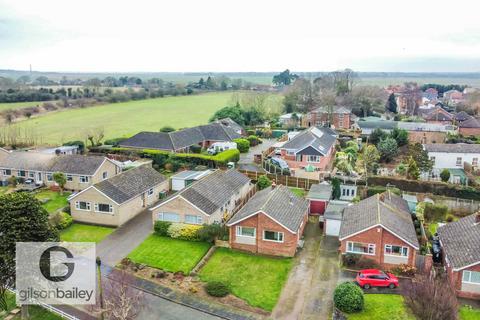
{"x": 383, "y": 307}
{"x": 255, "y": 279}
{"x": 128, "y": 118}
{"x": 55, "y": 200}
{"x": 18, "y": 105}
{"x": 78, "y": 232}
{"x": 169, "y": 254}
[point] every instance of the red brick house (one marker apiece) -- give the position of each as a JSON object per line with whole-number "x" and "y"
{"x": 460, "y": 241}
{"x": 341, "y": 118}
{"x": 470, "y": 127}
{"x": 270, "y": 223}
{"x": 313, "y": 147}
{"x": 380, "y": 228}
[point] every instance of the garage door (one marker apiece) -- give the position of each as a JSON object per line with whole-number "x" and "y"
{"x": 317, "y": 207}
{"x": 333, "y": 227}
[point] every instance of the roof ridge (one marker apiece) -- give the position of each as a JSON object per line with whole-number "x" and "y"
{"x": 378, "y": 209}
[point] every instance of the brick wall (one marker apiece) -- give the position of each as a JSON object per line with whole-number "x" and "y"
{"x": 456, "y": 280}
{"x": 262, "y": 222}
{"x": 426, "y": 137}
{"x": 380, "y": 237}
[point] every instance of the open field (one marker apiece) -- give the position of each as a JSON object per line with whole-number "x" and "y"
{"x": 18, "y": 105}
{"x": 128, "y": 118}
{"x": 169, "y": 254}
{"x": 253, "y": 278}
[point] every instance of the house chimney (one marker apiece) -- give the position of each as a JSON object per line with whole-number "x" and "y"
{"x": 477, "y": 217}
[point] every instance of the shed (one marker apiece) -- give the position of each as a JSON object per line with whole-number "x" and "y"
{"x": 185, "y": 178}
{"x": 318, "y": 197}
{"x": 333, "y": 217}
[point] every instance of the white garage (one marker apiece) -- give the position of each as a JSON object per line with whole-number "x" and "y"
{"x": 333, "y": 217}
{"x": 183, "y": 179}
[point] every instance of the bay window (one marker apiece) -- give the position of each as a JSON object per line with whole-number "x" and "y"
{"x": 361, "y": 248}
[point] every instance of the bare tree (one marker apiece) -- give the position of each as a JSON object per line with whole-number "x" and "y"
{"x": 431, "y": 298}
{"x": 122, "y": 301}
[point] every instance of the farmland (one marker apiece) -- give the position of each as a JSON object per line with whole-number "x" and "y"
{"x": 128, "y": 118}
{"x": 19, "y": 105}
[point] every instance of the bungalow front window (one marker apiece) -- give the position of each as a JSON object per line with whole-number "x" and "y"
{"x": 105, "y": 175}
{"x": 396, "y": 250}
{"x": 69, "y": 177}
{"x": 7, "y": 172}
{"x": 361, "y": 248}
{"x": 192, "y": 219}
{"x": 273, "y": 236}
{"x": 103, "y": 207}
{"x": 22, "y": 173}
{"x": 84, "y": 179}
{"x": 82, "y": 205}
{"x": 246, "y": 231}
{"x": 471, "y": 277}
{"x": 49, "y": 177}
{"x": 315, "y": 159}
{"x": 150, "y": 192}
{"x": 31, "y": 174}
{"x": 168, "y": 216}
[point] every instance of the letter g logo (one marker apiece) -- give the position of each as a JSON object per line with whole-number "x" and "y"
{"x": 45, "y": 264}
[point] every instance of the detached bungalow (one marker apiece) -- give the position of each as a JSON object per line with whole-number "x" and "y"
{"x": 312, "y": 148}
{"x": 211, "y": 199}
{"x": 270, "y": 223}
{"x": 380, "y": 228}
{"x": 460, "y": 241}
{"x": 114, "y": 201}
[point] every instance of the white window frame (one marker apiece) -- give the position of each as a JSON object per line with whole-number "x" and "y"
{"x": 150, "y": 192}
{"x": 402, "y": 249}
{"x": 24, "y": 173}
{"x": 69, "y": 177}
{"x": 277, "y": 232}
{"x": 369, "y": 246}
{"x": 104, "y": 175}
{"x": 31, "y": 174}
{"x": 459, "y": 161}
{"x": 239, "y": 232}
{"x": 110, "y": 208}
{"x": 160, "y": 217}
{"x": 87, "y": 205}
{"x": 49, "y": 177}
{"x": 198, "y": 219}
{"x": 84, "y": 179}
{"x": 316, "y": 159}
{"x": 4, "y": 172}
{"x": 468, "y": 274}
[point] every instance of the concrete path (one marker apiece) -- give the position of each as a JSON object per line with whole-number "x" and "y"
{"x": 126, "y": 238}
{"x": 308, "y": 293}
{"x": 246, "y": 158}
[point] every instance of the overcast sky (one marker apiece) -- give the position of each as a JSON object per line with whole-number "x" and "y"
{"x": 242, "y": 35}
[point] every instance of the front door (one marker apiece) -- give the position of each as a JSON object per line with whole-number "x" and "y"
{"x": 39, "y": 177}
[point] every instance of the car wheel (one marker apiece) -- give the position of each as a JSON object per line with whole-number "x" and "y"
{"x": 391, "y": 286}
{"x": 366, "y": 286}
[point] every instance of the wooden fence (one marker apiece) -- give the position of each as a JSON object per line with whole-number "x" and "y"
{"x": 296, "y": 182}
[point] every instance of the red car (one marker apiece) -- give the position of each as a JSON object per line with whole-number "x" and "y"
{"x": 376, "y": 278}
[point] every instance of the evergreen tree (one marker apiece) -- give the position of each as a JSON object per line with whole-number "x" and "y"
{"x": 391, "y": 104}
{"x": 413, "y": 173}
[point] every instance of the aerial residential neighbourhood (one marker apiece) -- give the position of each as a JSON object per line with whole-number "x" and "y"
{"x": 211, "y": 160}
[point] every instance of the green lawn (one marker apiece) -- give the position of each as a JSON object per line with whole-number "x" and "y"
{"x": 78, "y": 232}
{"x": 35, "y": 312}
{"x": 467, "y": 313}
{"x": 128, "y": 118}
{"x": 55, "y": 199}
{"x": 169, "y": 254}
{"x": 298, "y": 191}
{"x": 3, "y": 190}
{"x": 255, "y": 279}
{"x": 383, "y": 307}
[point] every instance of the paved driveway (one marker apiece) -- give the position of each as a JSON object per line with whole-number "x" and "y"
{"x": 308, "y": 293}
{"x": 126, "y": 238}
{"x": 246, "y": 158}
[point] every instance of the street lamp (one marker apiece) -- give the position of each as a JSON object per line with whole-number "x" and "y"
{"x": 99, "y": 264}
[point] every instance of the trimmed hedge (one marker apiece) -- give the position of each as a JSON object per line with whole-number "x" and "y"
{"x": 438, "y": 188}
{"x": 184, "y": 231}
{"x": 161, "y": 228}
{"x": 348, "y": 297}
{"x": 222, "y": 158}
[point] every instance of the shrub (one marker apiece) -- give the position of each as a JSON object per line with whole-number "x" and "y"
{"x": 161, "y": 228}
{"x": 195, "y": 148}
{"x": 210, "y": 232}
{"x": 404, "y": 270}
{"x": 13, "y": 181}
{"x": 217, "y": 289}
{"x": 445, "y": 175}
{"x": 367, "y": 263}
{"x": 114, "y": 142}
{"x": 243, "y": 145}
{"x": 253, "y": 140}
{"x": 348, "y": 297}
{"x": 184, "y": 231}
{"x": 263, "y": 182}
{"x": 167, "y": 129}
{"x": 60, "y": 220}
{"x": 435, "y": 212}
{"x": 450, "y": 218}
{"x": 350, "y": 260}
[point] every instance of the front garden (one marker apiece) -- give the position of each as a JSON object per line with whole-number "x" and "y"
{"x": 52, "y": 200}
{"x": 78, "y": 232}
{"x": 253, "y": 278}
{"x": 172, "y": 255}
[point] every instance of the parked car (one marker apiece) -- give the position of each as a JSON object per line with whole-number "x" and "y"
{"x": 376, "y": 278}
{"x": 221, "y": 146}
{"x": 280, "y": 163}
